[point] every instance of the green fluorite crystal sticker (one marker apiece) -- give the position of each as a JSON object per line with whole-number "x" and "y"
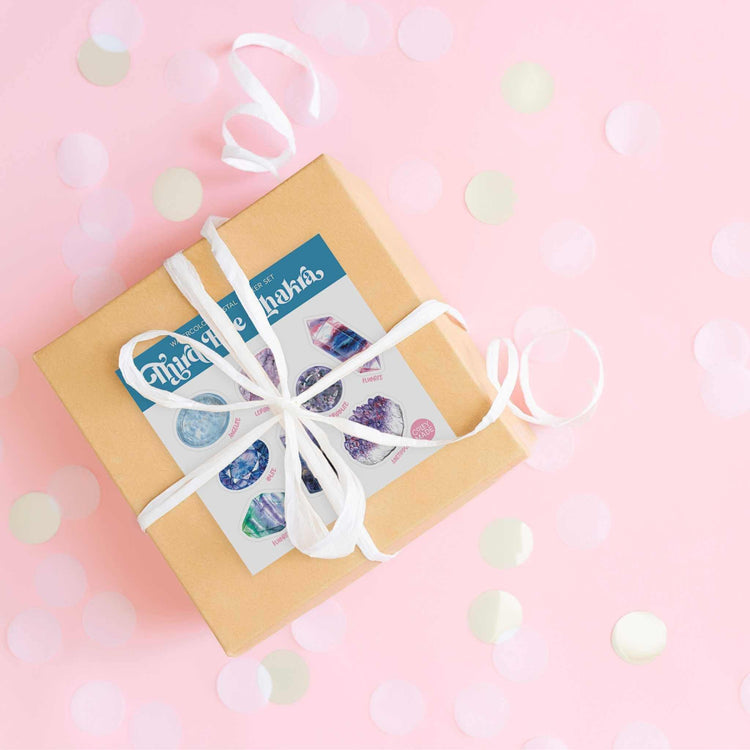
{"x": 265, "y": 515}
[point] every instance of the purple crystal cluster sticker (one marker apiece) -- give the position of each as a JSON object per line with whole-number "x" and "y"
{"x": 198, "y": 429}
{"x": 340, "y": 341}
{"x": 325, "y": 400}
{"x": 268, "y": 363}
{"x": 265, "y": 515}
{"x": 382, "y": 414}
{"x": 247, "y": 468}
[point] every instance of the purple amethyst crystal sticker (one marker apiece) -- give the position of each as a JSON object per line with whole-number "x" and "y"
{"x": 312, "y": 485}
{"x": 340, "y": 341}
{"x": 198, "y": 429}
{"x": 247, "y": 468}
{"x": 265, "y": 515}
{"x": 381, "y": 414}
{"x": 268, "y": 363}
{"x": 325, "y": 400}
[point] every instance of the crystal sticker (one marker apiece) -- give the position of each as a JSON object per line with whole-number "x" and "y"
{"x": 268, "y": 363}
{"x": 340, "y": 341}
{"x": 382, "y": 414}
{"x": 247, "y": 468}
{"x": 198, "y": 429}
{"x": 265, "y": 515}
{"x": 325, "y": 400}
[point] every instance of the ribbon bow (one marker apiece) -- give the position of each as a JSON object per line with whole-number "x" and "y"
{"x": 304, "y": 435}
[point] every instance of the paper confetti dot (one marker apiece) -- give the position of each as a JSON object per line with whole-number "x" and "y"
{"x": 481, "y": 710}
{"x": 290, "y": 676}
{"x": 397, "y": 707}
{"x": 553, "y": 448}
{"x": 109, "y": 618}
{"x": 34, "y": 518}
{"x": 60, "y": 580}
{"x": 425, "y": 34}
{"x": 94, "y": 288}
{"x": 321, "y": 629}
{"x": 721, "y": 342}
{"x": 380, "y": 25}
{"x": 639, "y": 637}
{"x": 550, "y": 327}
{"x": 98, "y": 707}
{"x": 639, "y": 735}
{"x": 34, "y": 636}
{"x": 506, "y": 542}
{"x": 76, "y": 490}
{"x": 155, "y": 725}
{"x": 527, "y": 87}
{"x": 731, "y": 249}
{"x": 244, "y": 685}
{"x": 100, "y": 66}
{"x": 106, "y": 215}
{"x": 8, "y": 372}
{"x": 320, "y": 18}
{"x": 82, "y": 160}
{"x": 115, "y": 25}
{"x": 745, "y": 693}
{"x": 297, "y": 98}
{"x": 495, "y": 616}
{"x": 568, "y": 249}
{"x": 415, "y": 186}
{"x": 633, "y": 128}
{"x": 177, "y": 194}
{"x": 354, "y": 28}
{"x": 80, "y": 252}
{"x": 190, "y": 76}
{"x": 489, "y": 196}
{"x": 726, "y": 391}
{"x": 522, "y": 657}
{"x": 544, "y": 743}
{"x": 583, "y": 521}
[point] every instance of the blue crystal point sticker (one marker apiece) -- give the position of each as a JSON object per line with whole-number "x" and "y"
{"x": 325, "y": 400}
{"x": 268, "y": 363}
{"x": 247, "y": 468}
{"x": 198, "y": 429}
{"x": 340, "y": 341}
{"x": 381, "y": 414}
{"x": 265, "y": 515}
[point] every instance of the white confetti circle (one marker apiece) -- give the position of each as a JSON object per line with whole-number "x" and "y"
{"x": 98, "y": 707}
{"x": 745, "y": 693}
{"x": 495, "y": 616}
{"x": 320, "y": 18}
{"x": 481, "y": 710}
{"x": 34, "y": 636}
{"x": 76, "y": 490}
{"x": 415, "y": 186}
{"x": 94, "y": 288}
{"x": 155, "y": 725}
{"x": 177, "y": 194}
{"x": 8, "y": 372}
{"x": 397, "y": 707}
{"x": 190, "y": 76}
{"x": 731, "y": 249}
{"x": 81, "y": 252}
{"x": 721, "y": 342}
{"x": 321, "y": 629}
{"x": 640, "y": 735}
{"x": 290, "y": 676}
{"x": 82, "y": 160}
{"x": 60, "y": 580}
{"x": 425, "y": 34}
{"x": 568, "y": 249}
{"x": 106, "y": 215}
{"x": 297, "y": 98}
{"x": 545, "y": 322}
{"x": 726, "y": 391}
{"x": 243, "y": 685}
{"x": 527, "y": 87}
{"x": 115, "y": 25}
{"x": 639, "y": 637}
{"x": 506, "y": 543}
{"x": 633, "y": 128}
{"x": 489, "y": 196}
{"x": 34, "y": 518}
{"x": 544, "y": 742}
{"x": 583, "y": 521}
{"x": 522, "y": 657}
{"x": 109, "y": 618}
{"x": 553, "y": 448}
{"x": 380, "y": 25}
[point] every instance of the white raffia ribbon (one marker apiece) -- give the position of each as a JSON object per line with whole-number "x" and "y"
{"x": 342, "y": 487}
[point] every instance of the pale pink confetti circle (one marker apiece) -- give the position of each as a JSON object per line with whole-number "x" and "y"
{"x": 640, "y": 735}
{"x": 34, "y": 636}
{"x": 397, "y": 707}
{"x": 297, "y": 98}
{"x": 745, "y": 693}
{"x": 425, "y": 34}
{"x": 726, "y": 391}
{"x": 522, "y": 657}
{"x": 481, "y": 710}
{"x": 8, "y": 372}
{"x": 81, "y": 252}
{"x": 544, "y": 742}
{"x": 633, "y": 128}
{"x": 109, "y": 618}
{"x": 721, "y": 342}
{"x": 380, "y": 25}
{"x": 415, "y": 186}
{"x": 98, "y": 707}
{"x": 731, "y": 249}
{"x": 553, "y": 448}
{"x": 76, "y": 490}
{"x": 106, "y": 215}
{"x": 60, "y": 580}
{"x": 548, "y": 323}
{"x": 244, "y": 685}
{"x": 320, "y": 18}
{"x": 115, "y": 25}
{"x": 155, "y": 726}
{"x": 354, "y": 29}
{"x": 190, "y": 76}
{"x": 567, "y": 248}
{"x": 321, "y": 629}
{"x": 93, "y": 289}
{"x": 583, "y": 521}
{"x": 82, "y": 160}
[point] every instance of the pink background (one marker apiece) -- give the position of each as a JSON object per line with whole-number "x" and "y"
{"x": 674, "y": 477}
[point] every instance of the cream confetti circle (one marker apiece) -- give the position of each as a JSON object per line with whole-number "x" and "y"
{"x": 177, "y": 194}
{"x": 100, "y": 66}
{"x": 527, "y": 87}
{"x": 506, "y": 542}
{"x": 639, "y": 637}
{"x": 490, "y": 197}
{"x": 495, "y": 616}
{"x": 34, "y": 518}
{"x": 290, "y": 676}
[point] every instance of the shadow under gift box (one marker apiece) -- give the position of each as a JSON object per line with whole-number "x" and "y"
{"x": 322, "y": 198}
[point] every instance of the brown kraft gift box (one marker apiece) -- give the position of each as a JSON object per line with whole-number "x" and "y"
{"x": 322, "y": 198}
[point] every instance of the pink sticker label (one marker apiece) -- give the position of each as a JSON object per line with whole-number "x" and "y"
{"x": 423, "y": 429}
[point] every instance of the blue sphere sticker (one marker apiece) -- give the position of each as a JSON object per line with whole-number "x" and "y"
{"x": 247, "y": 468}
{"x": 198, "y": 429}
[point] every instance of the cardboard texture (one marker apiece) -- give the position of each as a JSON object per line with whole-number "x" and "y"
{"x": 322, "y": 198}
